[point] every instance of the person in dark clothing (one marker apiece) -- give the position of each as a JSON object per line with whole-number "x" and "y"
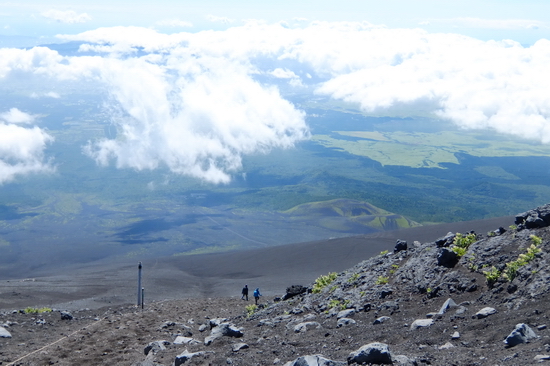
{"x": 257, "y": 295}
{"x": 244, "y": 293}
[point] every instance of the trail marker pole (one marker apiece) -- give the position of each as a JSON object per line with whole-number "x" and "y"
{"x": 142, "y": 297}
{"x": 139, "y": 294}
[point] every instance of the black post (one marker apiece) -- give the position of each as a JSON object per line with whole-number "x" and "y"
{"x": 139, "y": 295}
{"x": 142, "y": 297}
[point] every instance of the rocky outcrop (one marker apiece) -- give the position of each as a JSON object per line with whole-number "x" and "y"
{"x": 372, "y": 353}
{"x": 522, "y": 333}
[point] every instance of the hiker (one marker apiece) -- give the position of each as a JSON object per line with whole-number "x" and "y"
{"x": 257, "y": 295}
{"x": 245, "y": 293}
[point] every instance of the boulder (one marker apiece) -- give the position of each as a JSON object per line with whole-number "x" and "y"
{"x": 185, "y": 340}
{"x": 485, "y": 312}
{"x": 66, "y": 315}
{"x": 400, "y": 245}
{"x": 522, "y": 333}
{"x": 345, "y": 313}
{"x": 239, "y": 346}
{"x": 294, "y": 290}
{"x": 381, "y": 320}
{"x": 4, "y": 333}
{"x": 223, "y": 330}
{"x": 372, "y": 353}
{"x": 422, "y": 323}
{"x": 186, "y": 356}
{"x": 155, "y": 347}
{"x": 447, "y": 258}
{"x": 402, "y": 360}
{"x": 449, "y": 303}
{"x": 304, "y": 327}
{"x": 315, "y": 360}
{"x": 345, "y": 321}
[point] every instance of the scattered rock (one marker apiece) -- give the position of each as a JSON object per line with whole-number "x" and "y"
{"x": 449, "y": 303}
{"x": 521, "y": 334}
{"x": 315, "y": 360}
{"x": 542, "y": 358}
{"x": 421, "y": 323}
{"x": 155, "y": 347}
{"x": 304, "y": 327}
{"x": 294, "y": 290}
{"x": 345, "y": 313}
{"x": 345, "y": 321}
{"x": 377, "y": 353}
{"x": 4, "y": 333}
{"x": 239, "y": 346}
{"x": 400, "y": 245}
{"x": 66, "y": 315}
{"x": 485, "y": 312}
{"x": 186, "y": 356}
{"x": 381, "y": 320}
{"x": 185, "y": 340}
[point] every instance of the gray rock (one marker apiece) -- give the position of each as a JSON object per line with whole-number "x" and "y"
{"x": 449, "y": 303}
{"x": 521, "y": 334}
{"x": 315, "y": 360}
{"x": 155, "y": 347}
{"x": 304, "y": 327}
{"x": 185, "y": 340}
{"x": 4, "y": 333}
{"x": 447, "y": 258}
{"x": 203, "y": 327}
{"x": 377, "y": 353}
{"x": 541, "y": 327}
{"x": 455, "y": 335}
{"x": 66, "y": 315}
{"x": 400, "y": 245}
{"x": 345, "y": 313}
{"x": 239, "y": 346}
{"x": 401, "y": 360}
{"x": 542, "y": 358}
{"x": 294, "y": 290}
{"x": 421, "y": 323}
{"x": 186, "y": 356}
{"x": 381, "y": 320}
{"x": 345, "y": 321}
{"x": 447, "y": 345}
{"x": 223, "y": 330}
{"x": 485, "y": 312}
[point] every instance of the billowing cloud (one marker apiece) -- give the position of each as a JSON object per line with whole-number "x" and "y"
{"x": 67, "y": 16}
{"x": 14, "y": 115}
{"x": 489, "y": 23}
{"x": 197, "y": 102}
{"x": 21, "y": 149}
{"x": 218, "y": 19}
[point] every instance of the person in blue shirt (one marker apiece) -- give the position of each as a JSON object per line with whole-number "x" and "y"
{"x": 257, "y": 295}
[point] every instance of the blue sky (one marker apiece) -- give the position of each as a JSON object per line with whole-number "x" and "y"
{"x": 195, "y": 86}
{"x": 523, "y": 21}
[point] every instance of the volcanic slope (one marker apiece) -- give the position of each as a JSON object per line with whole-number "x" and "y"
{"x": 451, "y": 301}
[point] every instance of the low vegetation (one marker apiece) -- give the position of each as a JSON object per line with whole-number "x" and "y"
{"x": 323, "y": 281}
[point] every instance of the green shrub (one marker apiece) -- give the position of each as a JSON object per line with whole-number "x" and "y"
{"x": 536, "y": 240}
{"x": 251, "y": 309}
{"x": 384, "y": 252}
{"x": 323, "y": 281}
{"x": 461, "y": 243}
{"x": 353, "y": 277}
{"x": 492, "y": 275}
{"x": 382, "y": 280}
{"x": 30, "y": 310}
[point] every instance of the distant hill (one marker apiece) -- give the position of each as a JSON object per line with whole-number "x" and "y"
{"x": 347, "y": 214}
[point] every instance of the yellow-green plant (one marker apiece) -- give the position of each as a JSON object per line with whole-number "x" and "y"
{"x": 251, "y": 309}
{"x": 384, "y": 252}
{"x": 461, "y": 243}
{"x": 30, "y": 310}
{"x": 382, "y": 280}
{"x": 333, "y": 303}
{"x": 492, "y": 275}
{"x": 353, "y": 277}
{"x": 323, "y": 281}
{"x": 510, "y": 272}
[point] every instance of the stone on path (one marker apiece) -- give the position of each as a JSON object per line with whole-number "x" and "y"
{"x": 377, "y": 353}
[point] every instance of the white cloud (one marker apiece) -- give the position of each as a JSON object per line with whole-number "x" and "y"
{"x": 217, "y": 19}
{"x": 14, "y": 115}
{"x": 67, "y": 16}
{"x": 21, "y": 149}
{"x": 197, "y": 107}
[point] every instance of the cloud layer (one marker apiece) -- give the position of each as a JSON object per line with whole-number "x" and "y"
{"x": 197, "y": 102}
{"x": 21, "y": 148}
